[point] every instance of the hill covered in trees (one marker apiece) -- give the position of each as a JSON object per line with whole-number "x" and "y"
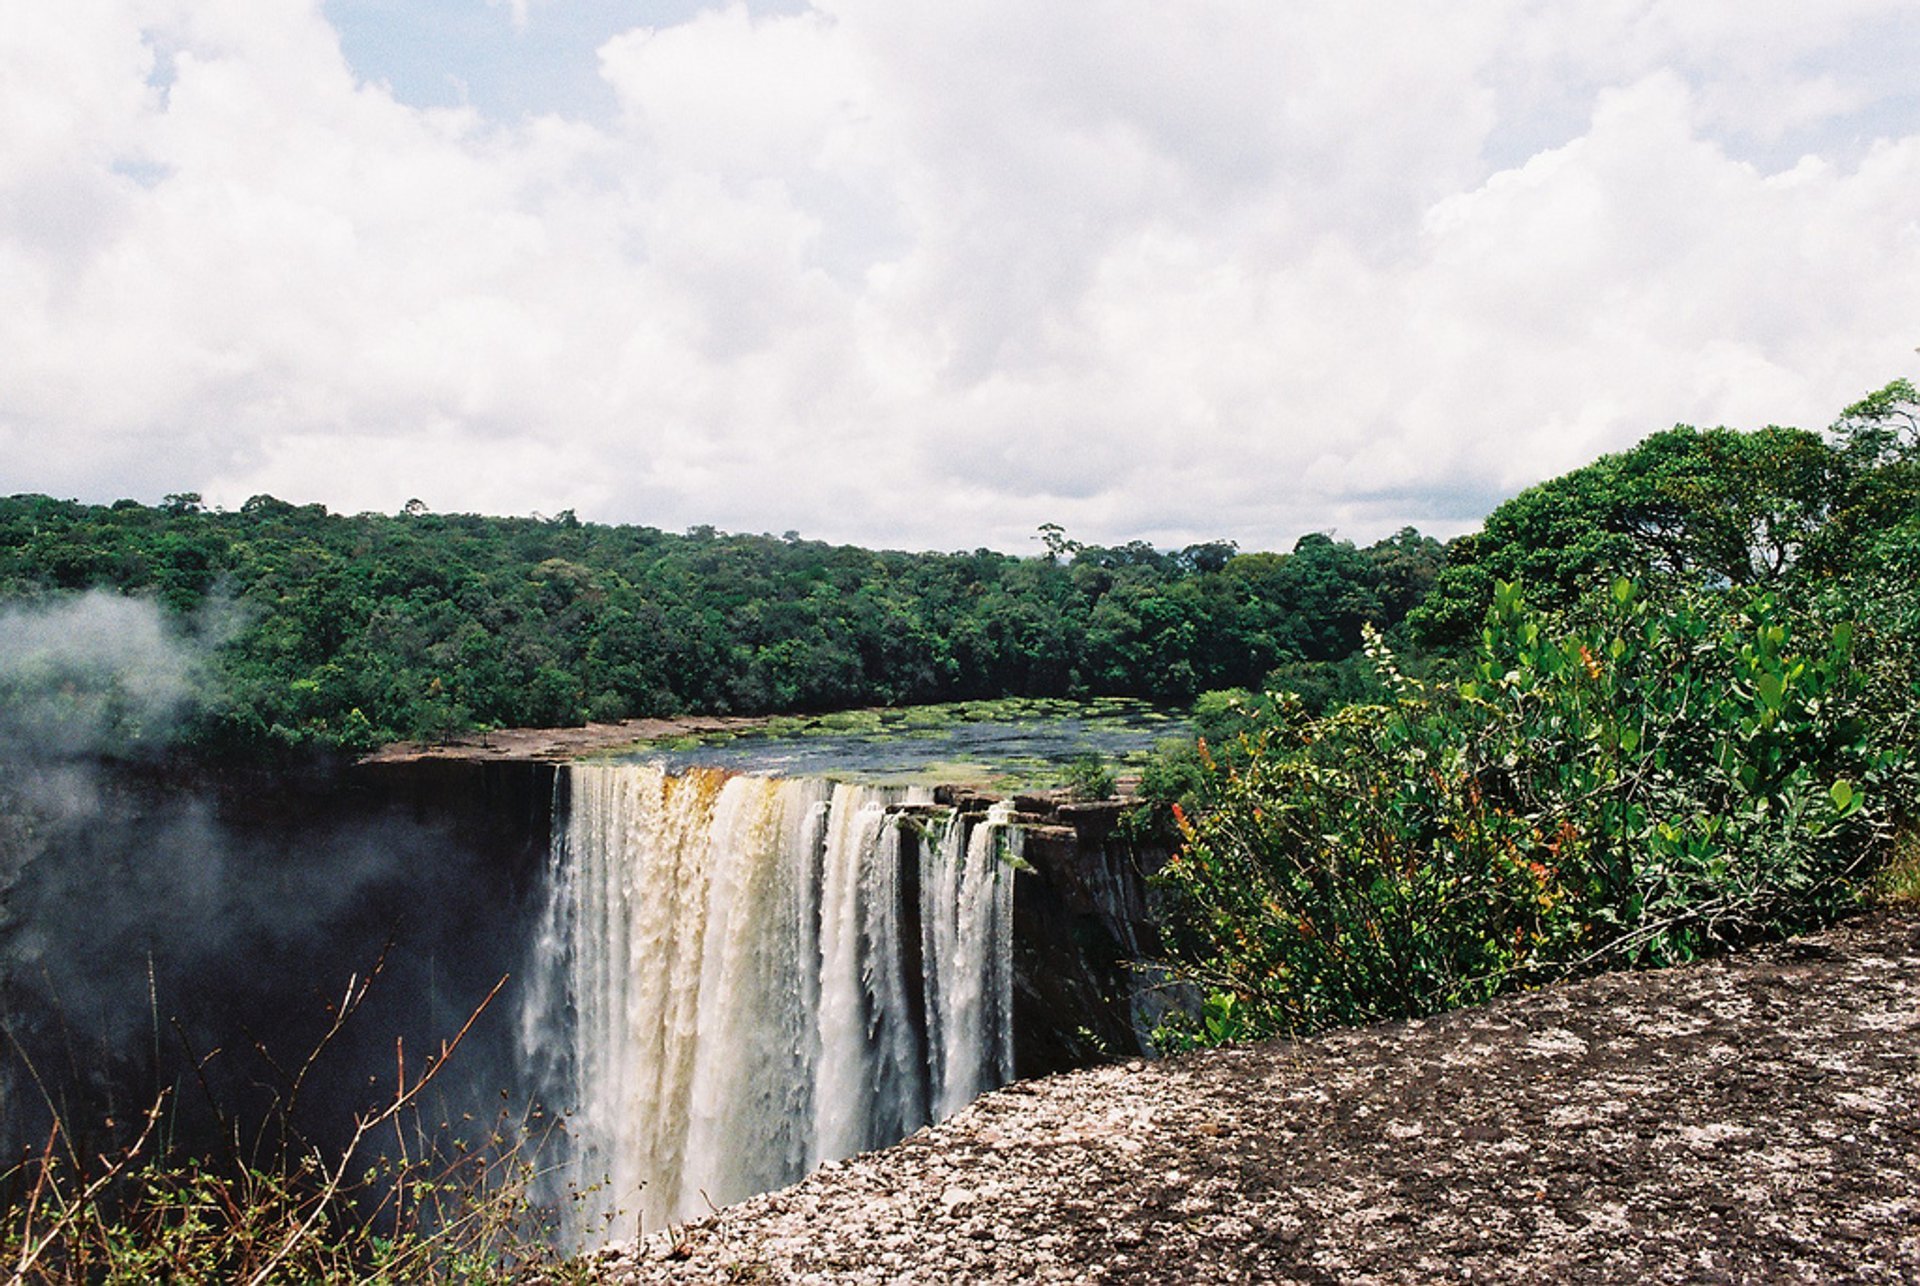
{"x": 346, "y": 631}
{"x": 349, "y": 631}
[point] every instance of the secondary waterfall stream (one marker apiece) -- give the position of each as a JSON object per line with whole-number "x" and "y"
{"x": 739, "y": 977}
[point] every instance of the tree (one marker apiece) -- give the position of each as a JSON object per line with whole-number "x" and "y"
{"x": 1059, "y": 548}
{"x": 1691, "y": 507}
{"x": 1883, "y": 426}
{"x": 1207, "y": 558}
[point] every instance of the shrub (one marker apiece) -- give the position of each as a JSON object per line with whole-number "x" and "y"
{"x": 1635, "y": 783}
{"x": 1089, "y": 778}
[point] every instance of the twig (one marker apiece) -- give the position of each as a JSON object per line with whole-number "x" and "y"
{"x": 404, "y": 1095}
{"x": 84, "y": 1202}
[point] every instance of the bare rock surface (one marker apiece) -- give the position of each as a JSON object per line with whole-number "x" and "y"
{"x": 558, "y": 744}
{"x": 1751, "y": 1119}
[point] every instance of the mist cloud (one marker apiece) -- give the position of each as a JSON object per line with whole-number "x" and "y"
{"x": 100, "y": 673}
{"x": 138, "y": 889}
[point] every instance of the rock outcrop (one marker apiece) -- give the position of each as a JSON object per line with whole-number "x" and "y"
{"x": 1085, "y": 925}
{"x": 1755, "y": 1118}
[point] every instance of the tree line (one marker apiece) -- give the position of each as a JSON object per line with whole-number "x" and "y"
{"x": 348, "y": 631}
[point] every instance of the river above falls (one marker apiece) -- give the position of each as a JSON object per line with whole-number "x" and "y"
{"x": 1007, "y": 742}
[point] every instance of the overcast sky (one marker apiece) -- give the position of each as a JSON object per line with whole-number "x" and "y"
{"x": 930, "y": 273}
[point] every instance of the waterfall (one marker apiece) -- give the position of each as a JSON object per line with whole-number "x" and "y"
{"x": 737, "y": 978}
{"x": 966, "y": 901}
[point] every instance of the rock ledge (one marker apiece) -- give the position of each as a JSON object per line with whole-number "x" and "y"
{"x": 1756, "y": 1118}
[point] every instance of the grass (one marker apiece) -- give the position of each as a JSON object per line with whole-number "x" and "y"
{"x": 1899, "y": 880}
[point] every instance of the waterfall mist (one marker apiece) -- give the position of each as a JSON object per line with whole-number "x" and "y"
{"x": 732, "y": 978}
{"x": 737, "y": 978}
{"x": 171, "y": 929}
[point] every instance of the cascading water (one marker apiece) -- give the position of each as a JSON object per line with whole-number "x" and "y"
{"x": 966, "y": 899}
{"x": 738, "y": 978}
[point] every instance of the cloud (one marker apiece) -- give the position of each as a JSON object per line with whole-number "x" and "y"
{"x": 913, "y": 274}
{"x": 518, "y": 8}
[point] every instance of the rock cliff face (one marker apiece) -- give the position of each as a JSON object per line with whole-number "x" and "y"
{"x": 1085, "y": 927}
{"x": 1752, "y": 1119}
{"x": 153, "y": 913}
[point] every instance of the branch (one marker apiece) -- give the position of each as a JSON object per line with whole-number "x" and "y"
{"x": 404, "y": 1096}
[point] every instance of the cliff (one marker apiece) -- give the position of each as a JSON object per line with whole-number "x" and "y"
{"x": 165, "y": 925}
{"x": 1084, "y": 912}
{"x": 1085, "y": 922}
{"x": 1755, "y": 1118}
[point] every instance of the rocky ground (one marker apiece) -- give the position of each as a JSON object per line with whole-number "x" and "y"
{"x": 557, "y": 744}
{"x": 1753, "y": 1119}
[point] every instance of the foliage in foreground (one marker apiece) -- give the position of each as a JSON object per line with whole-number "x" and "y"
{"x": 1637, "y": 782}
{"x": 1719, "y": 750}
{"x": 399, "y": 1202}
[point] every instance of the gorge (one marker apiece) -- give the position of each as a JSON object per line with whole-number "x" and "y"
{"x": 716, "y": 978}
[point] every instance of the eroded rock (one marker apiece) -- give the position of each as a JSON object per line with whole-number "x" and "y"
{"x": 1756, "y": 1118}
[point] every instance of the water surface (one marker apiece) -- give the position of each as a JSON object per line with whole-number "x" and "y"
{"x": 1011, "y": 742}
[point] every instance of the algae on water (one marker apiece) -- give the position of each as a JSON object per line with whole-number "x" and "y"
{"x": 1003, "y": 744}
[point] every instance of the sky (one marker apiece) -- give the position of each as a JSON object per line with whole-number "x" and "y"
{"x": 927, "y": 273}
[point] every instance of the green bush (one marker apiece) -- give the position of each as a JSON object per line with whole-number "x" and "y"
{"x": 1633, "y": 783}
{"x": 1175, "y": 773}
{"x": 1089, "y": 777}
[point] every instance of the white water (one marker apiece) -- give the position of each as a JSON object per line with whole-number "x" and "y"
{"x": 728, "y": 990}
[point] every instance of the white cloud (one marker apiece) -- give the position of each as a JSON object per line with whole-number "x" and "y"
{"x": 922, "y": 274}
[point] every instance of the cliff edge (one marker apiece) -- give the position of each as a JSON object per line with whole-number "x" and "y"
{"x": 1754, "y": 1118}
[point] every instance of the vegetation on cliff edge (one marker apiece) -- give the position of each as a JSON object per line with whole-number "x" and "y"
{"x": 1696, "y": 724}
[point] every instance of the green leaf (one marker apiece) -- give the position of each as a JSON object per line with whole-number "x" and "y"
{"x": 1846, "y": 801}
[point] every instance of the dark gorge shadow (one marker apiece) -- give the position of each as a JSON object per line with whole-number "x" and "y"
{"x": 179, "y": 931}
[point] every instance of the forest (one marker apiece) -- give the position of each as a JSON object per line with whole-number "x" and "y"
{"x": 345, "y": 632}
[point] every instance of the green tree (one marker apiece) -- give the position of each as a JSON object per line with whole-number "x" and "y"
{"x": 1686, "y": 507}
